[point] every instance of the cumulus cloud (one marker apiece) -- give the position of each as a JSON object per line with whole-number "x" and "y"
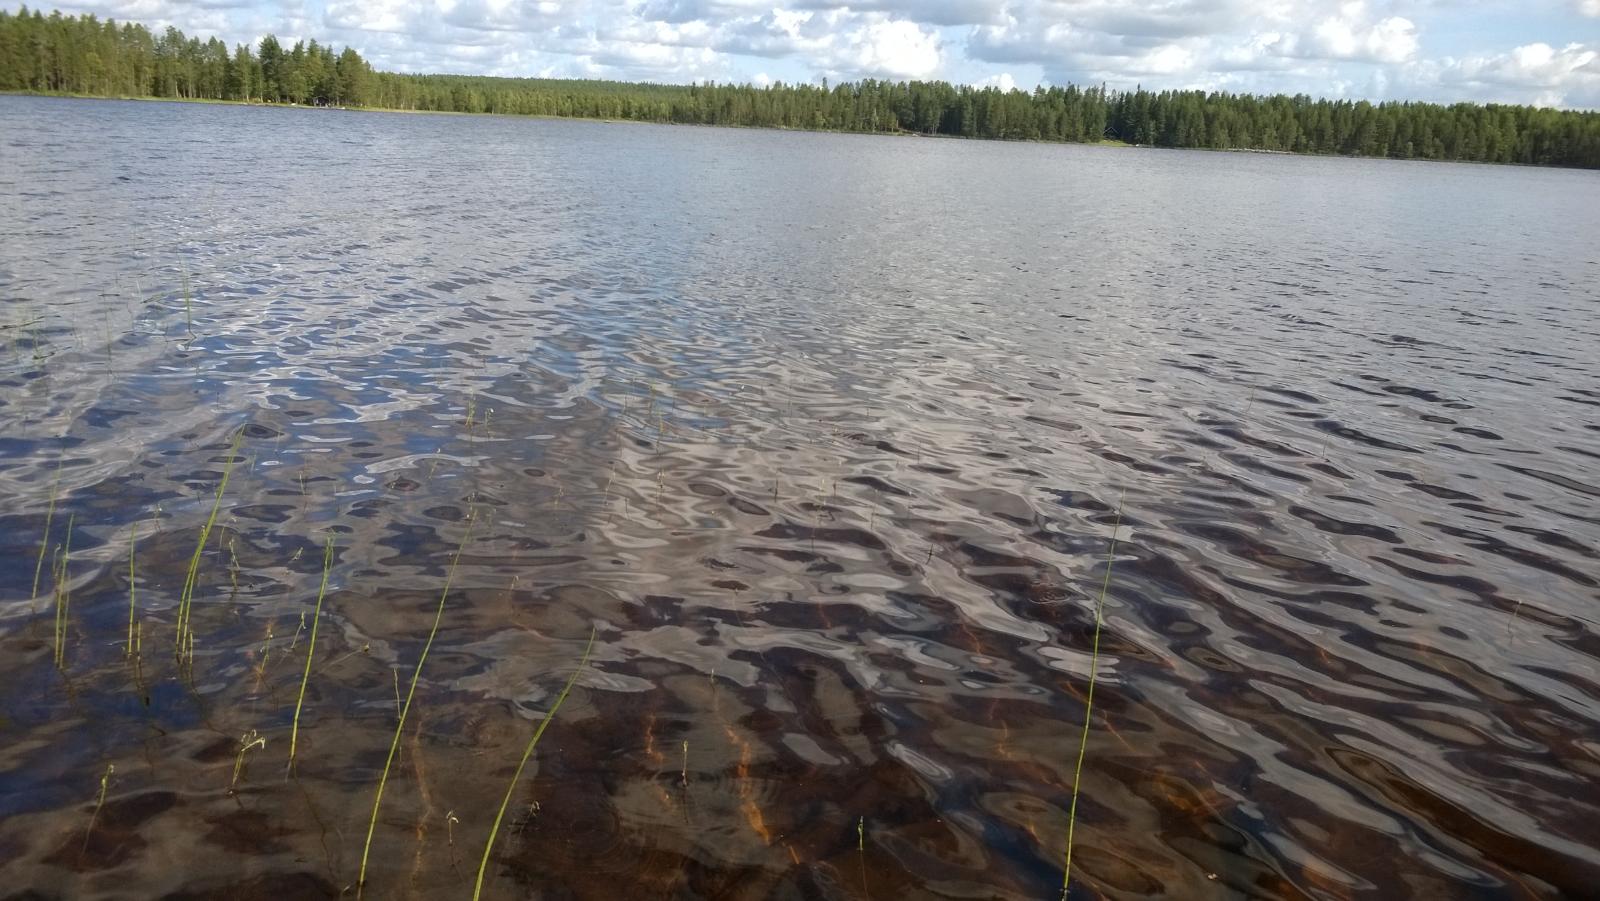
{"x": 1380, "y": 49}
{"x": 895, "y": 48}
{"x": 931, "y": 12}
{"x": 1350, "y": 34}
{"x": 1003, "y": 81}
{"x": 1532, "y": 73}
{"x": 1193, "y": 41}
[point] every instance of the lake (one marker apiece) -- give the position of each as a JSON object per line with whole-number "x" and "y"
{"x": 835, "y": 443}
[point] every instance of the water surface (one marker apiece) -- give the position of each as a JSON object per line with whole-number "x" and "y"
{"x": 826, "y": 437}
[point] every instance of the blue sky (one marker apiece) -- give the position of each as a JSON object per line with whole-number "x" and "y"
{"x": 1535, "y": 51}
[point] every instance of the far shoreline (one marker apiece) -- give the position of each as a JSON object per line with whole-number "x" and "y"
{"x": 1102, "y": 143}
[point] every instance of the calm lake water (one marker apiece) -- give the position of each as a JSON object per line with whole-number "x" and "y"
{"x": 825, "y": 436}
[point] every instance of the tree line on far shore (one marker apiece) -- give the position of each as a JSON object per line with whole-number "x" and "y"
{"x": 101, "y": 58}
{"x": 56, "y": 53}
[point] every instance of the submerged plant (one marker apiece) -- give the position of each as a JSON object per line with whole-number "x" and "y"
{"x": 527, "y": 752}
{"x": 295, "y": 642}
{"x": 186, "y": 599}
{"x": 44, "y": 543}
{"x": 311, "y": 650}
{"x": 861, "y": 855}
{"x": 1088, "y": 704}
{"x": 247, "y": 741}
{"x": 105, "y": 782}
{"x": 233, "y": 576}
{"x": 63, "y": 595}
{"x": 133, "y": 542}
{"x": 383, "y": 780}
{"x": 188, "y": 305}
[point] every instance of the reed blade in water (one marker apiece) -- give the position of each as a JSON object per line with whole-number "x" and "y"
{"x": 416, "y": 674}
{"x": 105, "y": 782}
{"x": 247, "y": 741}
{"x": 133, "y": 542}
{"x": 1088, "y": 704}
{"x": 63, "y": 596}
{"x": 186, "y": 600}
{"x": 527, "y": 752}
{"x": 44, "y": 543}
{"x": 311, "y": 651}
{"x": 188, "y": 306}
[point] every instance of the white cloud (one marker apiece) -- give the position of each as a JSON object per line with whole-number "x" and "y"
{"x": 836, "y": 43}
{"x": 1168, "y": 59}
{"x": 928, "y": 12}
{"x": 1003, "y": 81}
{"x": 394, "y": 16}
{"x": 1380, "y": 49}
{"x": 1532, "y": 73}
{"x": 895, "y": 49}
{"x": 1350, "y": 34}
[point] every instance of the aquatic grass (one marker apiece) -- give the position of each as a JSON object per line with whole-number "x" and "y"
{"x": 861, "y": 854}
{"x": 311, "y": 649}
{"x": 1088, "y": 704}
{"x": 494, "y": 831}
{"x": 295, "y": 642}
{"x": 394, "y": 745}
{"x": 63, "y": 595}
{"x": 266, "y": 655}
{"x": 233, "y": 576}
{"x": 105, "y": 782}
{"x": 247, "y": 741}
{"x": 365, "y": 648}
{"x": 44, "y": 543}
{"x": 133, "y": 543}
{"x": 185, "y": 636}
{"x": 188, "y": 305}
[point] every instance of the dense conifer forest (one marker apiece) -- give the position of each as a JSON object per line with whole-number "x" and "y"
{"x": 56, "y": 53}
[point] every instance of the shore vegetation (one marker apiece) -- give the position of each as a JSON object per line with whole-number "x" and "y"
{"x": 85, "y": 55}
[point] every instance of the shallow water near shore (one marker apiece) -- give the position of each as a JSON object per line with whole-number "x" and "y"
{"x": 825, "y": 436}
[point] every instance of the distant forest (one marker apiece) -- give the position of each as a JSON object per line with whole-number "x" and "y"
{"x": 84, "y": 55}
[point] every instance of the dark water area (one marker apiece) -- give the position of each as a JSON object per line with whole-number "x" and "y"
{"x": 825, "y": 438}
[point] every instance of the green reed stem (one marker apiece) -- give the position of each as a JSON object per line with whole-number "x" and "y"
{"x": 1088, "y": 704}
{"x": 316, "y": 617}
{"x": 494, "y": 831}
{"x": 44, "y": 543}
{"x": 186, "y": 600}
{"x": 63, "y": 596}
{"x": 416, "y": 674}
{"x": 188, "y": 305}
{"x": 133, "y": 542}
{"x": 105, "y": 782}
{"x": 247, "y": 741}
